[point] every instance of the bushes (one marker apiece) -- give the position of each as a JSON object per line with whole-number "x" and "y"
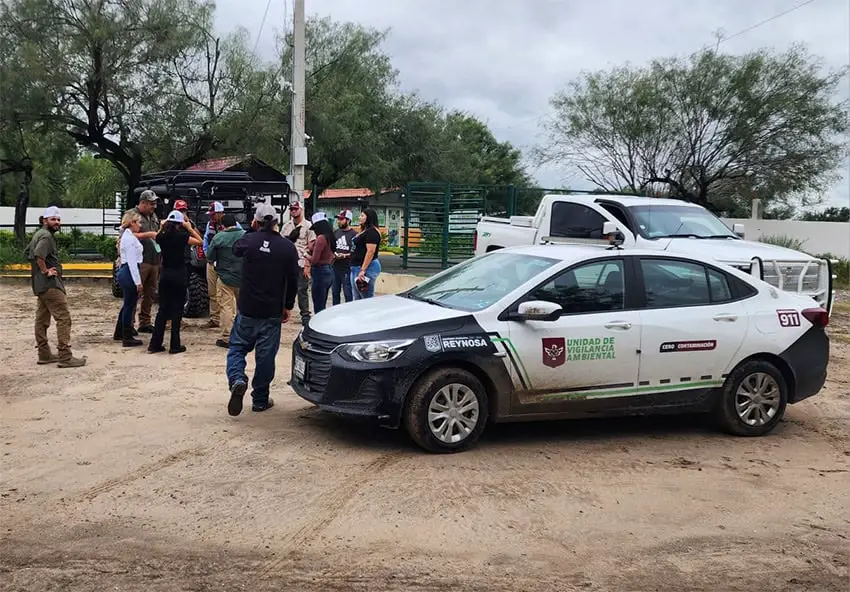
{"x": 781, "y": 240}
{"x": 72, "y": 244}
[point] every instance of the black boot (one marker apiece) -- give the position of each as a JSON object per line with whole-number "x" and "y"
{"x": 118, "y": 335}
{"x": 128, "y": 339}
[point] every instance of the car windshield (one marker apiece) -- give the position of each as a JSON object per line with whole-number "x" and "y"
{"x": 668, "y": 221}
{"x": 480, "y": 282}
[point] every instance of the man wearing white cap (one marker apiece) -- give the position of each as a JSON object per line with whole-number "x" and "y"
{"x": 266, "y": 298}
{"x": 49, "y": 288}
{"x": 214, "y": 226}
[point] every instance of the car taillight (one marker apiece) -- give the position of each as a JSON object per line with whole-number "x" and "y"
{"x": 816, "y": 316}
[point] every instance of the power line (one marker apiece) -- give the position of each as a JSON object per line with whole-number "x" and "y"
{"x": 723, "y": 39}
{"x": 262, "y": 24}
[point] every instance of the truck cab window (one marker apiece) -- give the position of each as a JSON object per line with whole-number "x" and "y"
{"x": 570, "y": 220}
{"x": 619, "y": 214}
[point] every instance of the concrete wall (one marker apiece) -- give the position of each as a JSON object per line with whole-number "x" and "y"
{"x": 818, "y": 237}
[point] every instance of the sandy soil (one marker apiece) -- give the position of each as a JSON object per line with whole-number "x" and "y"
{"x": 129, "y": 475}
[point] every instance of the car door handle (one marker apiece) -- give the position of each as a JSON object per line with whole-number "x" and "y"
{"x": 618, "y": 325}
{"x": 728, "y": 318}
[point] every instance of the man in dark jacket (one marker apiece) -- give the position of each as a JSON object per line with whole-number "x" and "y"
{"x": 266, "y": 299}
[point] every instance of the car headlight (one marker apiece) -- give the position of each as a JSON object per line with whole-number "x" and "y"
{"x": 375, "y": 351}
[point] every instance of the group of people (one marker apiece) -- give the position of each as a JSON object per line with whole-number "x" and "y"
{"x": 257, "y": 272}
{"x": 342, "y": 262}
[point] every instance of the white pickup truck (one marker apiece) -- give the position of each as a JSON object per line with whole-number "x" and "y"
{"x": 658, "y": 224}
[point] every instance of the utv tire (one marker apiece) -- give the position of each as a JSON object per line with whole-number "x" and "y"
{"x": 197, "y": 300}
{"x": 446, "y": 410}
{"x": 116, "y": 287}
{"x": 753, "y": 399}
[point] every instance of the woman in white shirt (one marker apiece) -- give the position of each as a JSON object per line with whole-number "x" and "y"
{"x": 129, "y": 277}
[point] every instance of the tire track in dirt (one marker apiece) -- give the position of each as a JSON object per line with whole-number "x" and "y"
{"x": 141, "y": 472}
{"x": 329, "y": 507}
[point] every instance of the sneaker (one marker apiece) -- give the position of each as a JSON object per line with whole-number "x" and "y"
{"x": 177, "y": 350}
{"x": 237, "y": 391}
{"x": 146, "y": 329}
{"x": 51, "y": 359}
{"x": 222, "y": 343}
{"x": 72, "y": 362}
{"x": 266, "y": 407}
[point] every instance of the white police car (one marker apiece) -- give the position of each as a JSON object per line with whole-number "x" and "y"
{"x": 545, "y": 332}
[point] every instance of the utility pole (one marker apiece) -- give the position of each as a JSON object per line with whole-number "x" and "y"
{"x": 298, "y": 148}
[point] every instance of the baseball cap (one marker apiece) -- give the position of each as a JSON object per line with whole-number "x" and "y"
{"x": 294, "y": 204}
{"x": 265, "y": 210}
{"x": 148, "y": 195}
{"x": 216, "y": 207}
{"x": 318, "y": 217}
{"x": 175, "y": 216}
{"x": 51, "y": 212}
{"x": 181, "y": 205}
{"x": 345, "y": 214}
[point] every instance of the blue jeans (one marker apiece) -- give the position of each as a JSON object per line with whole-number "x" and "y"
{"x": 322, "y": 278}
{"x": 263, "y": 336}
{"x": 342, "y": 279}
{"x": 131, "y": 296}
{"x": 372, "y": 273}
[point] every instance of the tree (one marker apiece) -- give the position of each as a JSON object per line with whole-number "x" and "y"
{"x": 217, "y": 97}
{"x": 713, "y": 126}
{"x": 364, "y": 131}
{"x": 91, "y": 183}
{"x": 95, "y": 66}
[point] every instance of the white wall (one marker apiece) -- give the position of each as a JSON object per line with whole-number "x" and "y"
{"x": 818, "y": 237}
{"x": 70, "y": 216}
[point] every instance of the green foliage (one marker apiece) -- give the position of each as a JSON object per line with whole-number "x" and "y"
{"x": 782, "y": 240}
{"x": 91, "y": 183}
{"x": 71, "y": 244}
{"x": 828, "y": 215}
{"x": 710, "y": 128}
{"x": 460, "y": 247}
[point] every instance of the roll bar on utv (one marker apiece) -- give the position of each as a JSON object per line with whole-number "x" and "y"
{"x": 236, "y": 191}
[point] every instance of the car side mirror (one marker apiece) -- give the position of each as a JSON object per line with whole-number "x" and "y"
{"x": 538, "y": 310}
{"x": 738, "y": 229}
{"x": 612, "y": 234}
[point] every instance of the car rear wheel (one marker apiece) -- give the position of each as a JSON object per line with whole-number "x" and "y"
{"x": 753, "y": 400}
{"x": 446, "y": 411}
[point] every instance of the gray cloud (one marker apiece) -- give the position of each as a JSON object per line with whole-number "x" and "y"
{"x": 503, "y": 60}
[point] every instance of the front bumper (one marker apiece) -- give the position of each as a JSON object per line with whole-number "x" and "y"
{"x": 355, "y": 389}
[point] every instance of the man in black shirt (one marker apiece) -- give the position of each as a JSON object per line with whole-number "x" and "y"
{"x": 266, "y": 299}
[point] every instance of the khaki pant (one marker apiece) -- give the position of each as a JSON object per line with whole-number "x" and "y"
{"x": 227, "y": 298}
{"x": 53, "y": 304}
{"x": 150, "y": 278}
{"x": 212, "y": 291}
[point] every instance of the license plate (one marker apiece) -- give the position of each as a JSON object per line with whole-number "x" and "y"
{"x": 299, "y": 367}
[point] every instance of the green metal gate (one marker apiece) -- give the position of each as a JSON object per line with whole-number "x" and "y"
{"x": 440, "y": 220}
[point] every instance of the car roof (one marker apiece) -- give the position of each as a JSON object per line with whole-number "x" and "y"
{"x": 626, "y": 200}
{"x": 576, "y": 253}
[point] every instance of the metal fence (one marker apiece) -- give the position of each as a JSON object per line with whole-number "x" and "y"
{"x": 440, "y": 218}
{"x": 76, "y": 239}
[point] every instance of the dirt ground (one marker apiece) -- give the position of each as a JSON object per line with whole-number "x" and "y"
{"x": 129, "y": 475}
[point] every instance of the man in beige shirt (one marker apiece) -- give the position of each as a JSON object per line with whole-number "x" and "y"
{"x": 299, "y": 230}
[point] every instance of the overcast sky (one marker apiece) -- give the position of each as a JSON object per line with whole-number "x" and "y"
{"x": 502, "y": 60}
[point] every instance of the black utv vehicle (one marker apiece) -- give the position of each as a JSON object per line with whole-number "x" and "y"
{"x": 236, "y": 191}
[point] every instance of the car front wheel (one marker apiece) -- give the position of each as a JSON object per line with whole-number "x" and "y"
{"x": 753, "y": 400}
{"x": 446, "y": 410}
